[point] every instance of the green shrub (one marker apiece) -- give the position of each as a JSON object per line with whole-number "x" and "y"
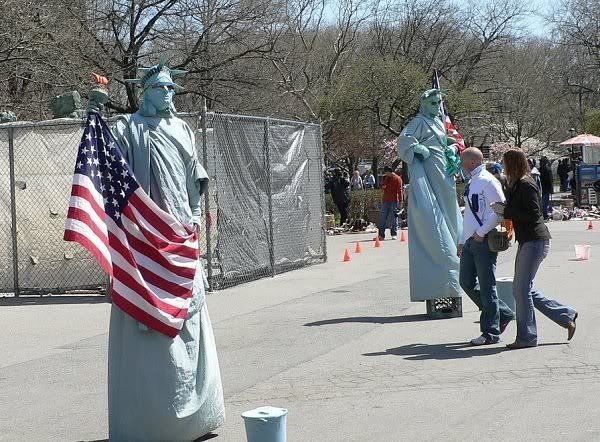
{"x": 364, "y": 201}
{"x": 329, "y": 204}
{"x": 361, "y": 202}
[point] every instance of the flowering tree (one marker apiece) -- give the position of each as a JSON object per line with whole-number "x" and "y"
{"x": 390, "y": 152}
{"x": 532, "y": 147}
{"x": 497, "y": 150}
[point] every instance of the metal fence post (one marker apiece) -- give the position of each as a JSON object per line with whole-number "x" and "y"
{"x": 13, "y": 210}
{"x": 270, "y": 197}
{"x": 206, "y": 197}
{"x": 322, "y": 189}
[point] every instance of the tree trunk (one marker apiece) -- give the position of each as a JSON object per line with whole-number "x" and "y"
{"x": 374, "y": 167}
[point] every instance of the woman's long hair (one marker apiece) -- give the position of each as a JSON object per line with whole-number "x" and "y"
{"x": 515, "y": 165}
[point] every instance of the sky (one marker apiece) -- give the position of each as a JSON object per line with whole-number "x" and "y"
{"x": 533, "y": 23}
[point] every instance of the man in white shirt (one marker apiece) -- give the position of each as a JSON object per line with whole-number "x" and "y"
{"x": 477, "y": 262}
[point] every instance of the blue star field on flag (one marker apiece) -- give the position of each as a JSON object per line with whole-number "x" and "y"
{"x": 100, "y": 158}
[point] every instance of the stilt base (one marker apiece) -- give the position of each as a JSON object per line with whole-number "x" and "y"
{"x": 444, "y": 308}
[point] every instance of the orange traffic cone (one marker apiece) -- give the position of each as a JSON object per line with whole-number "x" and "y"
{"x": 377, "y": 242}
{"x": 590, "y": 226}
{"x": 346, "y": 255}
{"x": 358, "y": 247}
{"x": 403, "y": 237}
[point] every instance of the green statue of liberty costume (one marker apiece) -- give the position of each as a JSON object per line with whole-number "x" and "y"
{"x": 161, "y": 388}
{"x": 434, "y": 219}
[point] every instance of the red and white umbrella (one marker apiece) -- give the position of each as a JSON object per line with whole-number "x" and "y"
{"x": 582, "y": 140}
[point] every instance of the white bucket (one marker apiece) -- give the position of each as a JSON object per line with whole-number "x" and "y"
{"x": 582, "y": 252}
{"x": 265, "y": 424}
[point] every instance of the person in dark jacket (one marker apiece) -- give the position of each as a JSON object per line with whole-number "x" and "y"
{"x": 524, "y": 210}
{"x": 340, "y": 192}
{"x": 563, "y": 174}
{"x": 547, "y": 181}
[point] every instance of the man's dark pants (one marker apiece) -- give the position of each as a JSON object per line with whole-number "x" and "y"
{"x": 564, "y": 183}
{"x": 478, "y": 280}
{"x": 342, "y": 207}
{"x": 388, "y": 208}
{"x": 545, "y": 205}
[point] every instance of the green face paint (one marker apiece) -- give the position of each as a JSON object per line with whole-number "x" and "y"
{"x": 159, "y": 90}
{"x": 432, "y": 105}
{"x": 161, "y": 97}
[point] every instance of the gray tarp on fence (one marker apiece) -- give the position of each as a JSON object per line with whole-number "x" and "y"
{"x": 265, "y": 199}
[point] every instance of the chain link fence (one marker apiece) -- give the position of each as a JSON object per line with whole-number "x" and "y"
{"x": 264, "y": 209}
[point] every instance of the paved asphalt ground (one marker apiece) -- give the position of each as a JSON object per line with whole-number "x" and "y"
{"x": 342, "y": 348}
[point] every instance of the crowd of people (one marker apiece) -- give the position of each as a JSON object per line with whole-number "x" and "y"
{"x": 356, "y": 182}
{"x": 543, "y": 178}
{"x": 340, "y": 185}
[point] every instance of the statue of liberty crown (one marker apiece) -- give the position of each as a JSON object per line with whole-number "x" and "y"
{"x": 148, "y": 72}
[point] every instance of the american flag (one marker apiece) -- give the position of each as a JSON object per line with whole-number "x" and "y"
{"x": 450, "y": 129}
{"x": 150, "y": 256}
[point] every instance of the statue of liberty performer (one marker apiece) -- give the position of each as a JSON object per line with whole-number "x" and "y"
{"x": 434, "y": 218}
{"x": 162, "y": 388}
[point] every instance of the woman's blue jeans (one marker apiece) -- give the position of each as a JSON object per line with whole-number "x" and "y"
{"x": 529, "y": 257}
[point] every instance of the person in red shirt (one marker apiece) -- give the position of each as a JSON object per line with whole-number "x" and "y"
{"x": 392, "y": 198}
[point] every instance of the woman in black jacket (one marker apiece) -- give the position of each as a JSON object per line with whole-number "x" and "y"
{"x": 523, "y": 207}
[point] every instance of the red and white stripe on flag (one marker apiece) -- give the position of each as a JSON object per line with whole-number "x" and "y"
{"x": 451, "y": 131}
{"x": 150, "y": 256}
